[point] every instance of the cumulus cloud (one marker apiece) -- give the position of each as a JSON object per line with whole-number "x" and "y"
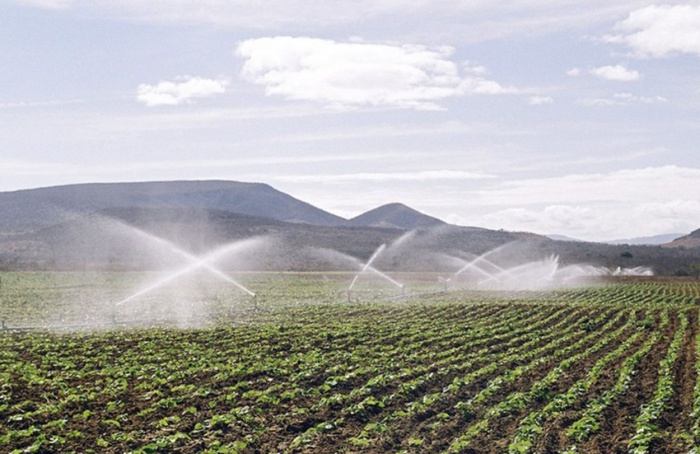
{"x": 540, "y": 100}
{"x": 616, "y": 72}
{"x": 660, "y": 30}
{"x": 181, "y": 91}
{"x": 352, "y": 74}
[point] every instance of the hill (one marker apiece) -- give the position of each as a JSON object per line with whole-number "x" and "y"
{"x": 692, "y": 240}
{"x": 656, "y": 239}
{"x": 396, "y": 216}
{"x": 117, "y": 226}
{"x": 145, "y": 237}
{"x": 151, "y": 238}
{"x": 31, "y": 209}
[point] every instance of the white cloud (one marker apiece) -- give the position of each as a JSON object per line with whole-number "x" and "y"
{"x": 599, "y": 207}
{"x": 628, "y": 98}
{"x": 601, "y": 222}
{"x": 351, "y": 74}
{"x": 426, "y": 175}
{"x": 622, "y": 99}
{"x": 617, "y": 72}
{"x": 540, "y": 100}
{"x": 31, "y": 104}
{"x": 182, "y": 91}
{"x": 574, "y": 72}
{"x": 647, "y": 185}
{"x": 50, "y": 4}
{"x": 473, "y": 20}
{"x": 473, "y": 68}
{"x": 660, "y": 30}
{"x": 593, "y": 102}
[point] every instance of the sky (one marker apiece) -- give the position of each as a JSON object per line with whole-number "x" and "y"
{"x": 570, "y": 117}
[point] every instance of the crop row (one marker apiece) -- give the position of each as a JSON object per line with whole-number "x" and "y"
{"x": 452, "y": 372}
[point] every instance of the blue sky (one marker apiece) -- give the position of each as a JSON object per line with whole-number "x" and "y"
{"x": 570, "y": 117}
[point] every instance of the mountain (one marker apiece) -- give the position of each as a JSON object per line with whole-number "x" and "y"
{"x": 131, "y": 225}
{"x": 135, "y": 238}
{"x": 147, "y": 237}
{"x": 397, "y": 216}
{"x": 656, "y": 239}
{"x": 150, "y": 237}
{"x": 36, "y": 208}
{"x": 692, "y": 240}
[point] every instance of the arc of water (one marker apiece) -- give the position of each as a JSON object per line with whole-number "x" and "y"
{"x": 497, "y": 277}
{"x": 368, "y": 264}
{"x": 477, "y": 259}
{"x": 364, "y": 267}
{"x": 551, "y": 265}
{"x": 388, "y": 278}
{"x": 195, "y": 264}
{"x": 189, "y": 257}
{"x": 160, "y": 283}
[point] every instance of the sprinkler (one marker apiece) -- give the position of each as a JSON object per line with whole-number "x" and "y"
{"x": 444, "y": 282}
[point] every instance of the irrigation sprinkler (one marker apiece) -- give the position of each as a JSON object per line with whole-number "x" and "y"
{"x": 444, "y": 282}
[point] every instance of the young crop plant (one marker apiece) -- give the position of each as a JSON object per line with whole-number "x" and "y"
{"x": 300, "y": 376}
{"x": 695, "y": 414}
{"x": 589, "y": 422}
{"x": 519, "y": 400}
{"x": 646, "y": 427}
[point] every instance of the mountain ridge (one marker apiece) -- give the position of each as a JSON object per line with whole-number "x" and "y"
{"x": 41, "y": 207}
{"x": 31, "y": 209}
{"x": 59, "y": 227}
{"x": 395, "y": 215}
{"x": 653, "y": 239}
{"x": 691, "y": 240}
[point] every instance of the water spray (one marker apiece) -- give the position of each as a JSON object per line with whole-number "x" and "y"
{"x": 191, "y": 257}
{"x": 368, "y": 267}
{"x": 368, "y": 264}
{"x": 196, "y": 263}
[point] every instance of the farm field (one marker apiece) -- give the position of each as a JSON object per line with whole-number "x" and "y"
{"x": 597, "y": 369}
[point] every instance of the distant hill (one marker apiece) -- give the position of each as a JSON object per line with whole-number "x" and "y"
{"x": 36, "y": 208}
{"x": 397, "y": 216}
{"x": 656, "y": 239}
{"x": 556, "y": 237}
{"x": 692, "y": 240}
{"x": 148, "y": 238}
{"x": 137, "y": 238}
{"x": 117, "y": 226}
